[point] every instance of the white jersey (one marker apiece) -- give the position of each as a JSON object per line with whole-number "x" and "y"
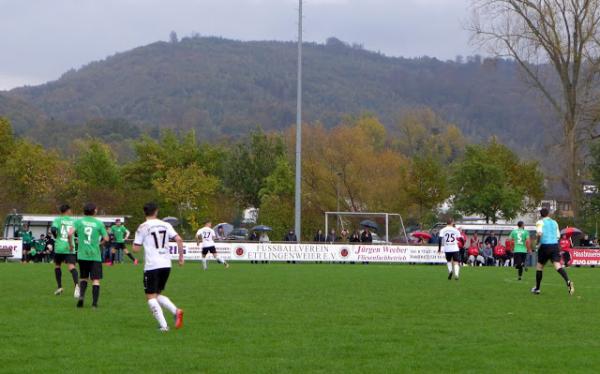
{"x": 208, "y": 237}
{"x": 449, "y": 236}
{"x": 154, "y": 235}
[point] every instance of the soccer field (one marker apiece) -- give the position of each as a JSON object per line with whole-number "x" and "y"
{"x": 304, "y": 318}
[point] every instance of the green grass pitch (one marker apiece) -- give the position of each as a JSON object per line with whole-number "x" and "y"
{"x": 278, "y": 318}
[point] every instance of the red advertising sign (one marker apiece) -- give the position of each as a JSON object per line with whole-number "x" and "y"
{"x": 585, "y": 257}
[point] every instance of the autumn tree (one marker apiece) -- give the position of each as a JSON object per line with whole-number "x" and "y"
{"x": 277, "y": 199}
{"x": 249, "y": 163}
{"x": 33, "y": 174}
{"x": 556, "y": 43}
{"x": 427, "y": 186}
{"x": 188, "y": 189}
{"x": 492, "y": 182}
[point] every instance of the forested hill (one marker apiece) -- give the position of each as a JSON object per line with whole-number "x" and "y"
{"x": 226, "y": 87}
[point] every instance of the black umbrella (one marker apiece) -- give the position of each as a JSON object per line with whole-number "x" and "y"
{"x": 370, "y": 224}
{"x": 174, "y": 221}
{"x": 262, "y": 228}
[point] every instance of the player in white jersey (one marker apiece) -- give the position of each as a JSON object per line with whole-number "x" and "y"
{"x": 449, "y": 236}
{"x": 207, "y": 235}
{"x": 154, "y": 235}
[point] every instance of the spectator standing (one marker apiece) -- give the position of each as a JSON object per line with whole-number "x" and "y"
{"x": 510, "y": 246}
{"x": 585, "y": 241}
{"x": 49, "y": 247}
{"x": 366, "y": 236}
{"x": 107, "y": 247}
{"x": 221, "y": 233}
{"x": 264, "y": 238}
{"x": 474, "y": 241}
{"x": 344, "y": 235}
{"x": 27, "y": 238}
{"x": 332, "y": 237}
{"x": 319, "y": 236}
{"x": 253, "y": 237}
{"x": 492, "y": 240}
{"x": 565, "y": 249}
{"x": 290, "y": 236}
{"x": 462, "y": 247}
{"x": 121, "y": 234}
{"x": 355, "y": 237}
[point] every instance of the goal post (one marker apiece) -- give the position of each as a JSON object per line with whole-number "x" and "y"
{"x": 386, "y": 216}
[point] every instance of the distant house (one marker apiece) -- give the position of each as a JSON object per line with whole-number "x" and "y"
{"x": 557, "y": 197}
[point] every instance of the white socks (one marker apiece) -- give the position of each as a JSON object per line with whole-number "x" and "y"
{"x": 220, "y": 261}
{"x": 456, "y": 270}
{"x": 449, "y": 267}
{"x": 165, "y": 302}
{"x": 204, "y": 266}
{"x": 157, "y": 313}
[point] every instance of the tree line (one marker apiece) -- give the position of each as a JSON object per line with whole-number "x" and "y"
{"x": 356, "y": 166}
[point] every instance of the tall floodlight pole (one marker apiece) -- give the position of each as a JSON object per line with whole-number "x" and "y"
{"x": 298, "y": 203}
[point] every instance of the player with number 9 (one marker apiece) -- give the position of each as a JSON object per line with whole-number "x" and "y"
{"x": 90, "y": 233}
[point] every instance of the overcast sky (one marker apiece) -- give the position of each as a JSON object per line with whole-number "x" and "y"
{"x": 41, "y": 39}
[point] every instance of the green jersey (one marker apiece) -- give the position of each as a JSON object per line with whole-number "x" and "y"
{"x": 520, "y": 236}
{"x": 90, "y": 232}
{"x": 39, "y": 245}
{"x": 63, "y": 225}
{"x": 26, "y": 236}
{"x": 119, "y": 231}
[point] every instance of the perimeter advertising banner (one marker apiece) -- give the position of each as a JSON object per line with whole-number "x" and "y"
{"x": 585, "y": 257}
{"x": 315, "y": 252}
{"x": 12, "y": 249}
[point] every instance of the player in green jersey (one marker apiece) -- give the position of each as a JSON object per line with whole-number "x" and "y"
{"x": 90, "y": 233}
{"x": 61, "y": 226}
{"x": 27, "y": 238}
{"x": 121, "y": 234}
{"x": 520, "y": 237}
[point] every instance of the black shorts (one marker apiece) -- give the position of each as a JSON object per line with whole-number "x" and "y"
{"x": 156, "y": 280}
{"x": 548, "y": 252}
{"x": 453, "y": 256}
{"x": 27, "y": 246}
{"x": 212, "y": 250}
{"x": 119, "y": 245}
{"x": 90, "y": 269}
{"x": 68, "y": 258}
{"x": 520, "y": 259}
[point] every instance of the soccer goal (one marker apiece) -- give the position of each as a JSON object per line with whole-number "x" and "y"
{"x": 387, "y": 217}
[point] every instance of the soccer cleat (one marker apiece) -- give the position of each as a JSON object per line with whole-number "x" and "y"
{"x": 76, "y": 292}
{"x": 571, "y": 287}
{"x": 179, "y": 319}
{"x": 226, "y": 265}
{"x": 80, "y": 303}
{"x": 519, "y": 278}
{"x": 135, "y": 262}
{"x": 535, "y": 291}
{"x": 163, "y": 329}
{"x": 58, "y": 291}
{"x": 450, "y": 276}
